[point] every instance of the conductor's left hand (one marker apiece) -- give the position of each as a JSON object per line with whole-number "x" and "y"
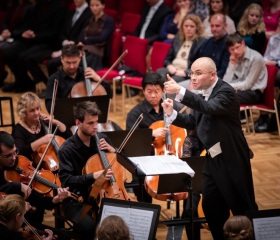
{"x": 171, "y": 86}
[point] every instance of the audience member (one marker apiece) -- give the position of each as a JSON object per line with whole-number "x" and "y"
{"x": 237, "y": 7}
{"x": 271, "y": 17}
{"x": 246, "y": 71}
{"x": 215, "y": 47}
{"x": 73, "y": 25}
{"x": 12, "y": 211}
{"x": 201, "y": 8}
{"x": 184, "y": 50}
{"x": 238, "y": 228}
{"x": 36, "y": 41}
{"x": 113, "y": 228}
{"x": 218, "y": 6}
{"x": 70, "y": 74}
{"x": 252, "y": 28}
{"x": 14, "y": 16}
{"x": 96, "y": 34}
{"x": 151, "y": 20}
{"x": 172, "y": 22}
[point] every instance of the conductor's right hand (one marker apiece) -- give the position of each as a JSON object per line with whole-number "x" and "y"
{"x": 159, "y": 132}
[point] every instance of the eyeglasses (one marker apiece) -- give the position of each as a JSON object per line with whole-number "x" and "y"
{"x": 15, "y": 153}
{"x": 197, "y": 74}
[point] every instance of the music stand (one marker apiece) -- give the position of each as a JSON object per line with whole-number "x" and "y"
{"x": 140, "y": 137}
{"x": 197, "y": 164}
{"x": 141, "y": 218}
{"x": 63, "y": 110}
{"x": 166, "y": 183}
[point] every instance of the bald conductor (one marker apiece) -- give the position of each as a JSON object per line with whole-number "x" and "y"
{"x": 227, "y": 176}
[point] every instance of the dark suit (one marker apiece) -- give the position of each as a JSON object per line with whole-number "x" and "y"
{"x": 153, "y": 29}
{"x": 227, "y": 178}
{"x": 70, "y": 33}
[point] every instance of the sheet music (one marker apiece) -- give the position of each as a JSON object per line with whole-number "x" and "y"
{"x": 267, "y": 228}
{"x": 139, "y": 221}
{"x": 162, "y": 164}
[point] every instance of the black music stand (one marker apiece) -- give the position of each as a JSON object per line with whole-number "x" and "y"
{"x": 134, "y": 214}
{"x": 197, "y": 164}
{"x": 63, "y": 110}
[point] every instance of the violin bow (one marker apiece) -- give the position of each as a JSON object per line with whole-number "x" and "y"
{"x": 44, "y": 154}
{"x": 32, "y": 229}
{"x": 53, "y": 104}
{"x": 110, "y": 69}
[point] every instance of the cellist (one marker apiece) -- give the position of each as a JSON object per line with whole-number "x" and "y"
{"x": 73, "y": 156}
{"x": 152, "y": 84}
{"x": 8, "y": 157}
{"x": 70, "y": 74}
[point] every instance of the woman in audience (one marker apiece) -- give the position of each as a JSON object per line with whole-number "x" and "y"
{"x": 251, "y": 27}
{"x": 173, "y": 21}
{"x": 184, "y": 49}
{"x": 238, "y": 228}
{"x": 113, "y": 228}
{"x": 218, "y": 6}
{"x": 96, "y": 34}
{"x": 270, "y": 16}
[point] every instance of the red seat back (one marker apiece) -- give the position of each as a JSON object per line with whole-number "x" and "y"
{"x": 159, "y": 52}
{"x": 137, "y": 51}
{"x": 268, "y": 94}
{"x": 129, "y": 23}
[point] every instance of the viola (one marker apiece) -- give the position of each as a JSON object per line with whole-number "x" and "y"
{"x": 23, "y": 171}
{"x": 114, "y": 188}
{"x": 31, "y": 233}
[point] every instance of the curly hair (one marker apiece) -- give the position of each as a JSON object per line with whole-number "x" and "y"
{"x": 243, "y": 26}
{"x": 199, "y": 26}
{"x": 25, "y": 101}
{"x": 113, "y": 228}
{"x": 238, "y": 228}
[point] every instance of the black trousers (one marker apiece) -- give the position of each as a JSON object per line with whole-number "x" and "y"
{"x": 84, "y": 228}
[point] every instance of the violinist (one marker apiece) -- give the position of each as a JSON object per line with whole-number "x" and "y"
{"x": 8, "y": 158}
{"x": 12, "y": 211}
{"x": 152, "y": 110}
{"x": 70, "y": 74}
{"x": 29, "y": 133}
{"x": 73, "y": 156}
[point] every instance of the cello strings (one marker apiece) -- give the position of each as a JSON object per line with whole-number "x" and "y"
{"x": 32, "y": 230}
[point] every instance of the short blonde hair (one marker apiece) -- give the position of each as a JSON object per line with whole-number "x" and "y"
{"x": 10, "y": 206}
{"x": 26, "y": 100}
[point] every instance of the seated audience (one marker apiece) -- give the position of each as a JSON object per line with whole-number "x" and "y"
{"x": 251, "y": 27}
{"x": 201, "y": 8}
{"x": 237, "y": 228}
{"x": 184, "y": 49}
{"x": 215, "y": 47}
{"x": 113, "y": 228}
{"x": 246, "y": 71}
{"x": 173, "y": 21}
{"x": 218, "y": 6}
{"x": 271, "y": 17}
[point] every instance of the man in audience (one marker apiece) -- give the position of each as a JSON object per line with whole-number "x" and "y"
{"x": 215, "y": 46}
{"x": 246, "y": 71}
{"x": 151, "y": 20}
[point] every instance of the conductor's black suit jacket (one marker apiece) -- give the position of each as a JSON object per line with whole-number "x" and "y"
{"x": 217, "y": 120}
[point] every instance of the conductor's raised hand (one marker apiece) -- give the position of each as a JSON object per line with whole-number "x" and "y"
{"x": 167, "y": 106}
{"x": 171, "y": 86}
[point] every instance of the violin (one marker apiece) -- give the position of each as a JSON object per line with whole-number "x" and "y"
{"x": 114, "y": 188}
{"x": 31, "y": 233}
{"x": 23, "y": 171}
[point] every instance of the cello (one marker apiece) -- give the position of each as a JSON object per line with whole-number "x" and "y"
{"x": 171, "y": 144}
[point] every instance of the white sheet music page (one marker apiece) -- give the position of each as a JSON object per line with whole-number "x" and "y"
{"x": 267, "y": 228}
{"x": 162, "y": 164}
